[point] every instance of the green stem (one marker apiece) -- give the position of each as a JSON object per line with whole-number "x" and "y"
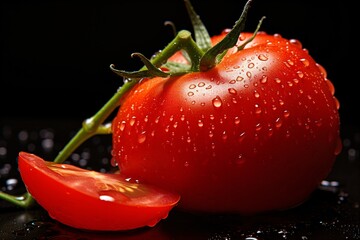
{"x": 94, "y": 125}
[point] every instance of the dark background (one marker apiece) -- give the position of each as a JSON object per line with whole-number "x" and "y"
{"x": 55, "y": 55}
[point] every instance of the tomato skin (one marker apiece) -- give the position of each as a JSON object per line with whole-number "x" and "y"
{"x": 90, "y": 200}
{"x": 256, "y": 133}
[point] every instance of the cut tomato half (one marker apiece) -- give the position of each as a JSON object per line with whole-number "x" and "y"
{"x": 92, "y": 200}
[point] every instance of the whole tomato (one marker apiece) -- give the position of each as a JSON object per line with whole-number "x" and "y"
{"x": 257, "y": 132}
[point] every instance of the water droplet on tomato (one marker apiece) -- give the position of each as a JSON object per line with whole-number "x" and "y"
{"x": 106, "y": 198}
{"x": 232, "y": 81}
{"x": 296, "y": 42}
{"x": 286, "y": 113}
{"x": 132, "y": 121}
{"x": 241, "y": 137}
{"x": 258, "y": 127}
{"x": 142, "y": 137}
{"x": 224, "y": 135}
{"x": 270, "y": 131}
{"x": 322, "y": 70}
{"x": 248, "y": 74}
{"x": 262, "y": 57}
{"x": 217, "y": 102}
{"x": 232, "y": 91}
{"x": 208, "y": 87}
{"x": 190, "y": 94}
{"x": 277, "y": 80}
{"x": 239, "y": 78}
{"x": 337, "y": 103}
{"x": 192, "y": 86}
{"x": 305, "y": 62}
{"x": 256, "y": 94}
{"x": 330, "y": 86}
{"x": 237, "y": 120}
{"x": 201, "y": 84}
{"x": 257, "y": 109}
{"x": 278, "y": 122}
{"x": 264, "y": 79}
{"x": 211, "y": 134}
{"x": 251, "y": 65}
{"x": 200, "y": 123}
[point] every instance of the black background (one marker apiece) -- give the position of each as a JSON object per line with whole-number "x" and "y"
{"x": 55, "y": 55}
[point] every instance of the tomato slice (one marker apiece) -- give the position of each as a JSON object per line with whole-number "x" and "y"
{"x": 92, "y": 200}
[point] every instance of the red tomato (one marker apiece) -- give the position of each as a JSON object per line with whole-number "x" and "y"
{"x": 91, "y": 200}
{"x": 258, "y": 132}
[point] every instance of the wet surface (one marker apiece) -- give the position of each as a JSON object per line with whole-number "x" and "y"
{"x": 332, "y": 212}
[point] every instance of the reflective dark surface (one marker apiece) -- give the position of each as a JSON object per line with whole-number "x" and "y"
{"x": 332, "y": 212}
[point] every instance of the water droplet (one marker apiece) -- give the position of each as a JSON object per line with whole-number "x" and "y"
{"x": 224, "y": 135}
{"x": 239, "y": 78}
{"x": 241, "y": 137}
{"x": 132, "y": 121}
{"x": 201, "y": 84}
{"x": 192, "y": 86}
{"x": 157, "y": 119}
{"x": 296, "y": 42}
{"x": 331, "y": 86}
{"x": 277, "y": 80}
{"x": 257, "y": 109}
{"x": 264, "y": 79}
{"x": 322, "y": 70}
{"x": 300, "y": 74}
{"x": 142, "y": 137}
{"x": 232, "y": 91}
{"x": 258, "y": 127}
{"x": 217, "y": 102}
{"x": 248, "y": 74}
{"x": 262, "y": 57}
{"x": 200, "y": 123}
{"x": 106, "y": 198}
{"x": 190, "y": 94}
{"x": 251, "y": 65}
{"x": 337, "y": 103}
{"x": 256, "y": 94}
{"x": 237, "y": 120}
{"x": 278, "y": 122}
{"x": 232, "y": 81}
{"x": 186, "y": 164}
{"x": 305, "y": 62}
{"x": 208, "y": 87}
{"x": 286, "y": 113}
{"x": 211, "y": 134}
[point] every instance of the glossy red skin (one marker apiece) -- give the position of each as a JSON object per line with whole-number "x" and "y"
{"x": 274, "y": 138}
{"x": 72, "y": 196}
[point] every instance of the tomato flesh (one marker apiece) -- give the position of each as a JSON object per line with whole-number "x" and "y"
{"x": 92, "y": 200}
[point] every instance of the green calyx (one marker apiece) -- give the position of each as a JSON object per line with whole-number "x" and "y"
{"x": 199, "y": 53}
